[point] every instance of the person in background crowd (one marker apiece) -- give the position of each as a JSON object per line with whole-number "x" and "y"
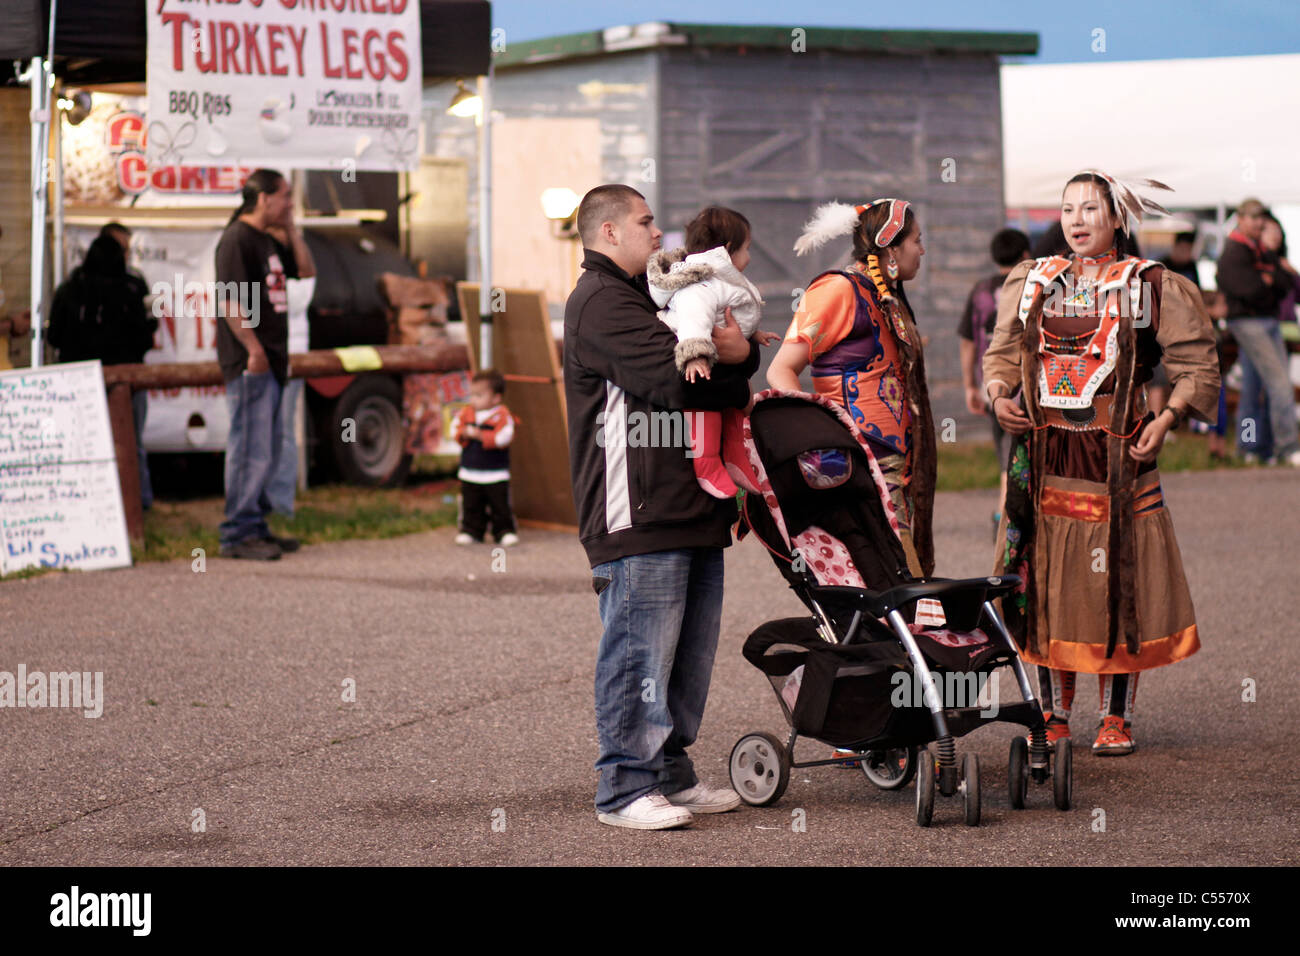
{"x": 297, "y": 259}
{"x": 1182, "y": 261}
{"x": 975, "y": 330}
{"x": 1182, "y": 257}
{"x": 253, "y": 351}
{"x": 99, "y": 313}
{"x": 1256, "y": 285}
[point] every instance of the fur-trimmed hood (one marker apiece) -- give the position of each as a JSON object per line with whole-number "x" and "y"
{"x": 671, "y": 270}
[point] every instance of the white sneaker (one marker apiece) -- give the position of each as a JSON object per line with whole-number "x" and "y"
{"x": 1293, "y": 459}
{"x": 509, "y": 540}
{"x": 463, "y": 538}
{"x": 704, "y": 799}
{"x": 651, "y": 812}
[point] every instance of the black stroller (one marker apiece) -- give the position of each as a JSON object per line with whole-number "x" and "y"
{"x": 887, "y": 664}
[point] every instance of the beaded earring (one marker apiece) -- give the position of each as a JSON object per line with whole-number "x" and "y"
{"x": 891, "y": 269}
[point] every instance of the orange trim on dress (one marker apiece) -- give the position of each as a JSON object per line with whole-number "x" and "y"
{"x": 1091, "y": 658}
{"x": 1080, "y": 505}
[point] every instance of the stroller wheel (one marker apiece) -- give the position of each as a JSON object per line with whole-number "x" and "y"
{"x": 760, "y": 769}
{"x": 890, "y": 769}
{"x": 925, "y": 788}
{"x": 970, "y": 788}
{"x": 1062, "y": 775}
{"x": 1018, "y": 773}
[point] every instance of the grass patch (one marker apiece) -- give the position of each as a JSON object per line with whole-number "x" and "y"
{"x": 967, "y": 465}
{"x": 172, "y": 530}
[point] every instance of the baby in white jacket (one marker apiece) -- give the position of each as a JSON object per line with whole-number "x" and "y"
{"x": 693, "y": 288}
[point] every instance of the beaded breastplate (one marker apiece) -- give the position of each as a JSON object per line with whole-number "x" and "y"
{"x": 1071, "y": 368}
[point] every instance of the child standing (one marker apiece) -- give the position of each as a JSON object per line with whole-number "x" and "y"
{"x": 484, "y": 429}
{"x": 693, "y": 288}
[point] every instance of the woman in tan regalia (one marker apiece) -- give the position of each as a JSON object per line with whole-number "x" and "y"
{"x": 1085, "y": 524}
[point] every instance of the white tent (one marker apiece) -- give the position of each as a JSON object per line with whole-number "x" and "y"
{"x": 1218, "y": 130}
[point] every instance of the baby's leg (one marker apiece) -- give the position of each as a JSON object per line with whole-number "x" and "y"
{"x": 706, "y": 449}
{"x": 734, "y": 456}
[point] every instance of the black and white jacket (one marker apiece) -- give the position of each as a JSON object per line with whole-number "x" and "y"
{"x": 633, "y": 483}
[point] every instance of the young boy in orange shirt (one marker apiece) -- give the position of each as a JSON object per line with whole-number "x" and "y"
{"x": 484, "y": 429}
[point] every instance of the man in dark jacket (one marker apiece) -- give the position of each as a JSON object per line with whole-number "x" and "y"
{"x": 653, "y": 537}
{"x": 1249, "y": 277}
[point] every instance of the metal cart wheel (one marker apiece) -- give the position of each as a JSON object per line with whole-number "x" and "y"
{"x": 1018, "y": 773}
{"x": 890, "y": 769}
{"x": 1062, "y": 775}
{"x": 925, "y": 789}
{"x": 970, "y": 788}
{"x": 760, "y": 769}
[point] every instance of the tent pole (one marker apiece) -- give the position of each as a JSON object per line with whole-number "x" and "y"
{"x": 40, "y": 117}
{"x": 56, "y": 133}
{"x": 42, "y": 79}
{"x": 485, "y": 219}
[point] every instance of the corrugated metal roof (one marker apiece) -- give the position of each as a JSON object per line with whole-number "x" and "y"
{"x": 847, "y": 40}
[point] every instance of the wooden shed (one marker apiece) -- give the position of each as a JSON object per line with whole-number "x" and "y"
{"x": 770, "y": 120}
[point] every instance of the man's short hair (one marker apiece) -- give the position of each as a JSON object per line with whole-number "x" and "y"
{"x": 1008, "y": 246}
{"x": 608, "y": 203}
{"x": 1250, "y": 207}
{"x": 1187, "y": 237}
{"x": 109, "y": 228}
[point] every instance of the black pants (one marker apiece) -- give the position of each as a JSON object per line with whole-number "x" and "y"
{"x": 484, "y": 504}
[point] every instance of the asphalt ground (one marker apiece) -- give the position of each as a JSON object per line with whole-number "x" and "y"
{"x": 471, "y": 738}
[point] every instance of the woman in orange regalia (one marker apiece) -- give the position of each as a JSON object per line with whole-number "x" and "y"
{"x": 855, "y": 327}
{"x": 1085, "y": 524}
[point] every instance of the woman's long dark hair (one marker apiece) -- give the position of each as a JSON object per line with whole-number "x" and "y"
{"x": 1122, "y": 245}
{"x": 259, "y": 181}
{"x": 104, "y": 259}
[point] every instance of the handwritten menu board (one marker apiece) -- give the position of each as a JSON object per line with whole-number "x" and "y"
{"x": 60, "y": 502}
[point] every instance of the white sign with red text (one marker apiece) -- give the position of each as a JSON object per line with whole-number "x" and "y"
{"x": 307, "y": 84}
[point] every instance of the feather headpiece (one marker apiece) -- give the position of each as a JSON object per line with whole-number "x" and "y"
{"x": 835, "y": 219}
{"x": 1127, "y": 204}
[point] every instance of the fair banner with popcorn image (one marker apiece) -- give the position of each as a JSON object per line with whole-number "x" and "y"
{"x": 306, "y": 84}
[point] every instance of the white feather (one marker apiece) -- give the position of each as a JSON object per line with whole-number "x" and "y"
{"x": 831, "y": 221}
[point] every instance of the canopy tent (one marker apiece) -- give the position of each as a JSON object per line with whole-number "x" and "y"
{"x": 1218, "y": 130}
{"x": 103, "y": 41}
{"x": 106, "y": 41}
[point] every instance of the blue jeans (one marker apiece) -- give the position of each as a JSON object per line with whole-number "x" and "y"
{"x": 251, "y": 451}
{"x": 283, "y": 487}
{"x": 140, "y": 411}
{"x": 661, "y": 613}
{"x": 1264, "y": 363}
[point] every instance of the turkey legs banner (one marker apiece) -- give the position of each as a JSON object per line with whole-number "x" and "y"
{"x": 307, "y": 84}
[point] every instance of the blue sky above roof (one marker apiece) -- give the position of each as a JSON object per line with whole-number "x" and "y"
{"x": 1133, "y": 29}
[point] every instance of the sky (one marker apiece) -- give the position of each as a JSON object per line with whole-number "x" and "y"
{"x": 1133, "y": 30}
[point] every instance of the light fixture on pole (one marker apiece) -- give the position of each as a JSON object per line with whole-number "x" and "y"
{"x": 465, "y": 103}
{"x": 479, "y": 106}
{"x": 76, "y": 106}
{"x": 560, "y": 204}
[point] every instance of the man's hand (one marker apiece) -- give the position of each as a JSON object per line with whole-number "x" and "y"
{"x": 257, "y": 362}
{"x": 974, "y": 400}
{"x": 1009, "y": 416}
{"x": 697, "y": 368}
{"x": 732, "y": 346}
